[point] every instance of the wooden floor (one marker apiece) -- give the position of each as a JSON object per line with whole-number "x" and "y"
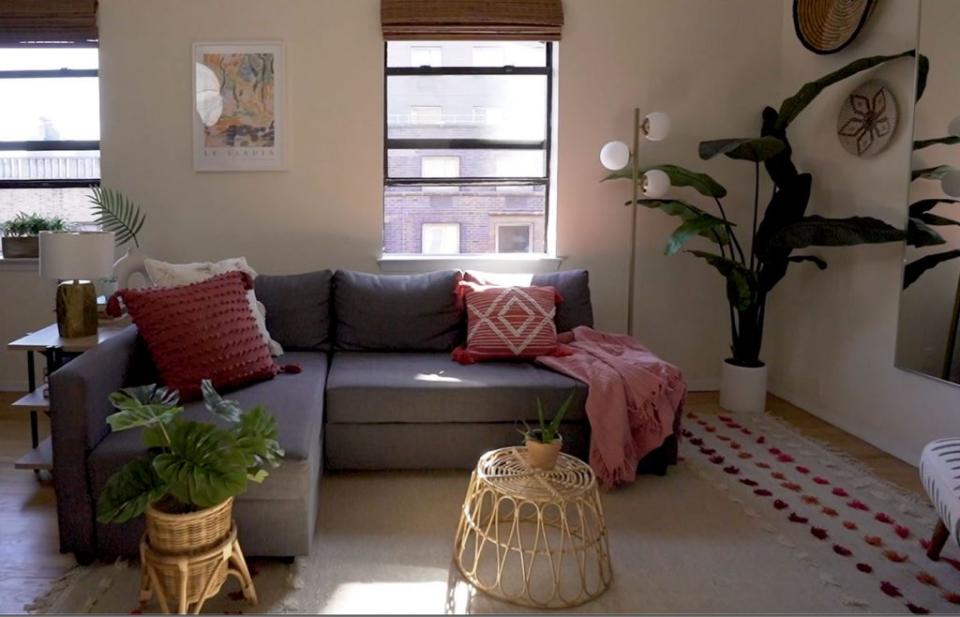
{"x": 29, "y": 555}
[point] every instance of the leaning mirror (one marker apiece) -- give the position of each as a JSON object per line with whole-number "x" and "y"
{"x": 927, "y": 336}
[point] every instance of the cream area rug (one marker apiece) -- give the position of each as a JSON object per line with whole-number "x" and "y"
{"x": 755, "y": 519}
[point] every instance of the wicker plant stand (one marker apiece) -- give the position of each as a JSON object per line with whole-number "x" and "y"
{"x": 186, "y": 557}
{"x": 531, "y": 537}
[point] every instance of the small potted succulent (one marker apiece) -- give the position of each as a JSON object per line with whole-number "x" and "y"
{"x": 21, "y": 234}
{"x": 186, "y": 484}
{"x": 544, "y": 442}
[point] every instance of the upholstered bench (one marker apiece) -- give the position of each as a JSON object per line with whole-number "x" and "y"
{"x": 940, "y": 473}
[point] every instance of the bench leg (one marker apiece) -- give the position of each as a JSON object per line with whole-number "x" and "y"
{"x": 940, "y": 536}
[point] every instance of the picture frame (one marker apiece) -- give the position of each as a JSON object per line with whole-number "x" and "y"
{"x": 238, "y": 106}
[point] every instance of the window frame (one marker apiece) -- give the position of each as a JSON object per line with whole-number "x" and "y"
{"x": 51, "y": 145}
{"x": 545, "y": 145}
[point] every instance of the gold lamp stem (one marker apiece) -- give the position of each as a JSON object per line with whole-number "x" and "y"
{"x": 633, "y": 219}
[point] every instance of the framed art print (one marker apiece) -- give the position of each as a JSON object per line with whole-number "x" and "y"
{"x": 238, "y": 122}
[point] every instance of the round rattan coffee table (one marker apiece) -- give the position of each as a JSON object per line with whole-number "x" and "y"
{"x": 531, "y": 537}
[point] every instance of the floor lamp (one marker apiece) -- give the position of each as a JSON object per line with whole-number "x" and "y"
{"x": 652, "y": 182}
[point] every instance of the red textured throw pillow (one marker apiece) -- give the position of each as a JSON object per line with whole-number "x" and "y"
{"x": 508, "y": 323}
{"x": 202, "y": 331}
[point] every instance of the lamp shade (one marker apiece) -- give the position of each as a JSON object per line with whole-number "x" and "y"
{"x": 954, "y": 127}
{"x": 615, "y": 155}
{"x": 656, "y": 183}
{"x": 656, "y": 126}
{"x": 950, "y": 183}
{"x": 76, "y": 254}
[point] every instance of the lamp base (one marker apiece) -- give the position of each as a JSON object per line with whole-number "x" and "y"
{"x": 76, "y": 309}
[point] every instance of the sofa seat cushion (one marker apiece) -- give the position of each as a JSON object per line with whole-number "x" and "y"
{"x": 379, "y": 387}
{"x": 296, "y": 401}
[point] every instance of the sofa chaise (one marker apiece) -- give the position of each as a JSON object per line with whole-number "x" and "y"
{"x": 378, "y": 390}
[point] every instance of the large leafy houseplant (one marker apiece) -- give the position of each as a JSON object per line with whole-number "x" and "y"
{"x": 190, "y": 465}
{"x": 777, "y": 232}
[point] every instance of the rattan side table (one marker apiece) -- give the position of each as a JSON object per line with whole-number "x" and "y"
{"x": 185, "y": 582}
{"x": 534, "y": 538}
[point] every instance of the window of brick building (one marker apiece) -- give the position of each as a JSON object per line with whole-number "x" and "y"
{"x": 481, "y": 117}
{"x": 440, "y": 238}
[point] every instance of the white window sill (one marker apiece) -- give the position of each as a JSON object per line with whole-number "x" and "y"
{"x": 511, "y": 264}
{"x": 28, "y": 264}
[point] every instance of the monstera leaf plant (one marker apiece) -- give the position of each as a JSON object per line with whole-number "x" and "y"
{"x": 780, "y": 232}
{"x": 190, "y": 465}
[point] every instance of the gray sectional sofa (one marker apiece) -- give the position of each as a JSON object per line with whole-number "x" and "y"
{"x": 378, "y": 390}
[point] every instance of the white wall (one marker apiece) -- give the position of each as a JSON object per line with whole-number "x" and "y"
{"x": 701, "y": 61}
{"x": 832, "y": 334}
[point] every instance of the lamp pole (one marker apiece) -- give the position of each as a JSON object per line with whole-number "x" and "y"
{"x": 632, "y": 268}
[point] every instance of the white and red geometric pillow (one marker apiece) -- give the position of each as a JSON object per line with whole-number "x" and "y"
{"x": 508, "y": 323}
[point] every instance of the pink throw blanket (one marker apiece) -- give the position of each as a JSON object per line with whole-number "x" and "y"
{"x": 633, "y": 400}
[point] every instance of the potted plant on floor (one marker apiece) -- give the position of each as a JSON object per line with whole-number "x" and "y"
{"x": 544, "y": 442}
{"x": 21, "y": 234}
{"x": 186, "y": 484}
{"x": 776, "y": 232}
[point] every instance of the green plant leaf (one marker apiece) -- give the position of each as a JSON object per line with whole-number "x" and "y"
{"x": 741, "y": 283}
{"x": 787, "y": 206}
{"x": 204, "y": 466}
{"x": 932, "y": 173}
{"x": 913, "y": 270}
{"x": 920, "y": 234}
{"x": 218, "y": 406}
{"x": 257, "y": 437}
{"x": 923, "y": 71}
{"x": 820, "y": 263}
{"x": 820, "y": 231}
{"x": 925, "y": 205}
{"x": 133, "y": 413}
{"x": 259, "y": 476}
{"x": 935, "y": 219}
{"x": 554, "y": 426}
{"x": 792, "y": 106}
{"x": 128, "y": 492}
{"x": 686, "y": 212}
{"x": 702, "y": 225}
{"x": 949, "y": 140}
{"x": 756, "y": 149}
{"x": 152, "y": 394}
{"x": 679, "y": 177}
{"x": 116, "y": 213}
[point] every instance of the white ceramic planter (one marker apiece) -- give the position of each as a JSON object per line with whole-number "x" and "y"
{"x": 743, "y": 388}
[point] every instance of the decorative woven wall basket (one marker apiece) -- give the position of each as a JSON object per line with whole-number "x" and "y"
{"x": 827, "y": 26}
{"x": 868, "y": 119}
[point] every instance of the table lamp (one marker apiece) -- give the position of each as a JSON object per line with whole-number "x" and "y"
{"x": 74, "y": 258}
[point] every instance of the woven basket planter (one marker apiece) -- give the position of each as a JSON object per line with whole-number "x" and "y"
{"x": 191, "y": 533}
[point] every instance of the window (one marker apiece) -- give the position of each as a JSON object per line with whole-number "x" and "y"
{"x": 426, "y": 56}
{"x": 49, "y": 131}
{"x": 488, "y": 56}
{"x": 426, "y": 114}
{"x": 483, "y": 118}
{"x": 514, "y": 238}
{"x": 440, "y": 238}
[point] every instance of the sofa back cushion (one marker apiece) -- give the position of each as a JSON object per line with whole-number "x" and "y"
{"x": 298, "y": 308}
{"x": 415, "y": 312}
{"x": 573, "y": 286}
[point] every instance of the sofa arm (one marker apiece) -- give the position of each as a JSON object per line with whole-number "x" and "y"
{"x": 79, "y": 406}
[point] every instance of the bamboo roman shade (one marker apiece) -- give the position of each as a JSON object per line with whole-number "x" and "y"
{"x": 538, "y": 20}
{"x": 47, "y": 21}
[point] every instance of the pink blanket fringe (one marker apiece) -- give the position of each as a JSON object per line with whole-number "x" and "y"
{"x": 633, "y": 401}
